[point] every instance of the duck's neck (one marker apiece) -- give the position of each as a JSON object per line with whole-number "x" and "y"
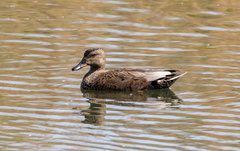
{"x": 92, "y": 74}
{"x": 96, "y": 69}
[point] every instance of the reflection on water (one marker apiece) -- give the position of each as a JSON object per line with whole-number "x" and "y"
{"x": 151, "y": 98}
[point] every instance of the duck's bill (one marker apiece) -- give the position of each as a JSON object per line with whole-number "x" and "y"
{"x": 79, "y": 66}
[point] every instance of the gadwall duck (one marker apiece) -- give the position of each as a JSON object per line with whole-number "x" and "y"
{"x": 125, "y": 79}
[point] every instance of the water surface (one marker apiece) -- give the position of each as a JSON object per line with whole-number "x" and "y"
{"x": 42, "y": 107}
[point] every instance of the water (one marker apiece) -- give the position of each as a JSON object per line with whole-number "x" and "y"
{"x": 42, "y": 107}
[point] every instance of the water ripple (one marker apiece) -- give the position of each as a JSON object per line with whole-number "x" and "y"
{"x": 34, "y": 109}
{"x": 102, "y": 16}
{"x": 56, "y": 29}
{"x": 122, "y": 32}
{"x": 185, "y": 34}
{"x": 8, "y": 19}
{"x": 26, "y": 41}
{"x": 213, "y": 66}
{"x": 134, "y": 10}
{"x": 32, "y": 35}
{"x": 128, "y": 40}
{"x": 111, "y": 2}
{"x": 218, "y": 29}
{"x": 166, "y": 49}
{"x": 122, "y": 23}
{"x": 211, "y": 13}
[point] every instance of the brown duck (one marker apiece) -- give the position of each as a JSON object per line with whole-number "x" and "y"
{"x": 124, "y": 79}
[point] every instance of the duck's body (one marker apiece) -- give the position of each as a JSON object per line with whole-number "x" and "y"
{"x": 123, "y": 79}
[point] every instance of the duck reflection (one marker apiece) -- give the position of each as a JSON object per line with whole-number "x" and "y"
{"x": 98, "y": 100}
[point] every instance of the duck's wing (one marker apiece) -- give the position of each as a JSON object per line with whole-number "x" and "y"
{"x": 158, "y": 79}
{"x": 151, "y": 74}
{"x": 122, "y": 79}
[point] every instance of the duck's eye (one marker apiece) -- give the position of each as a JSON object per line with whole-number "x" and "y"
{"x": 92, "y": 55}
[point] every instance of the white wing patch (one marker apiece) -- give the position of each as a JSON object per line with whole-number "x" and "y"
{"x": 150, "y": 75}
{"x": 154, "y": 75}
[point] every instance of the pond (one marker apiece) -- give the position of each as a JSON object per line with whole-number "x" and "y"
{"x": 43, "y": 108}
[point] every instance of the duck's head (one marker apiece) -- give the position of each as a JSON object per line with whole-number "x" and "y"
{"x": 94, "y": 57}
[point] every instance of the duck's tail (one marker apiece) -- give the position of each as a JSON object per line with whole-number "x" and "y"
{"x": 176, "y": 76}
{"x": 167, "y": 81}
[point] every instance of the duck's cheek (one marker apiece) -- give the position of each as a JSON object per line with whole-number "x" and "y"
{"x": 88, "y": 62}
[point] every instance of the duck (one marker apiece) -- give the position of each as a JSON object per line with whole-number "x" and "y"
{"x": 122, "y": 79}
